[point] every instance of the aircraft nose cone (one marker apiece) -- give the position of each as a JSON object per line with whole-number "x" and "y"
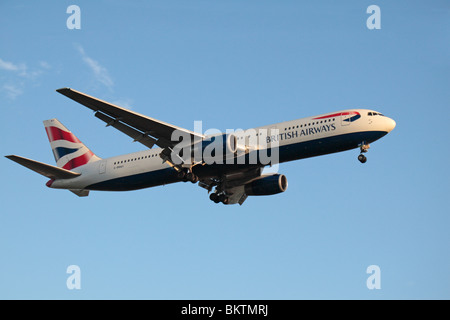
{"x": 390, "y": 124}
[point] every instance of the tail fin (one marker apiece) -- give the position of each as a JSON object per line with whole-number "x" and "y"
{"x": 69, "y": 152}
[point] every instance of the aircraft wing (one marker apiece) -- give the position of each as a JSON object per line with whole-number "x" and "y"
{"x": 143, "y": 129}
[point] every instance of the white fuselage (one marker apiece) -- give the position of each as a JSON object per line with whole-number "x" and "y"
{"x": 296, "y": 139}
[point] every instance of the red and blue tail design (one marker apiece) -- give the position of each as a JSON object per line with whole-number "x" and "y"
{"x": 69, "y": 152}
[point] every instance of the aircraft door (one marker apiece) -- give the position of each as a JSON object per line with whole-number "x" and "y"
{"x": 102, "y": 167}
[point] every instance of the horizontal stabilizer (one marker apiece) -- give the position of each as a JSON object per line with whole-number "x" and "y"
{"x": 46, "y": 170}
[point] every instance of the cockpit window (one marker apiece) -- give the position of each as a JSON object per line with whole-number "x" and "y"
{"x": 375, "y": 114}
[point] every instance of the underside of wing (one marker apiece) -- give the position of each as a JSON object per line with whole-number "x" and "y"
{"x": 143, "y": 129}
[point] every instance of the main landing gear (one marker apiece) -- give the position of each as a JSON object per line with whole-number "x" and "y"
{"x": 364, "y": 148}
{"x": 216, "y": 198}
{"x": 187, "y": 175}
{"x": 219, "y": 194}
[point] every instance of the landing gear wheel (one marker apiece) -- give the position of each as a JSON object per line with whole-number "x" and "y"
{"x": 362, "y": 158}
{"x": 191, "y": 177}
{"x": 214, "y": 197}
{"x": 181, "y": 175}
{"x": 224, "y": 199}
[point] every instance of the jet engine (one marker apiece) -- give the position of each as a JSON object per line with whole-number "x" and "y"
{"x": 267, "y": 185}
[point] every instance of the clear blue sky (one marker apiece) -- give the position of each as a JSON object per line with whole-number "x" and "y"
{"x": 231, "y": 64}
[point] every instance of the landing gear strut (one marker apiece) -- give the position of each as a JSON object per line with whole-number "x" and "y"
{"x": 364, "y": 148}
{"x": 182, "y": 173}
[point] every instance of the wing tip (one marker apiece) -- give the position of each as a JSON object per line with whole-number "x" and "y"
{"x": 62, "y": 90}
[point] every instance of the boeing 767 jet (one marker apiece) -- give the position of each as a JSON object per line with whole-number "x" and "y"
{"x": 229, "y": 165}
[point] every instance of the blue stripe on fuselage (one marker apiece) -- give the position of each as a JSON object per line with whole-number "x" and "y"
{"x": 295, "y": 151}
{"x": 318, "y": 147}
{"x": 137, "y": 181}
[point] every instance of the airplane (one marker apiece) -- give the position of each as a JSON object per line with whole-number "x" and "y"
{"x": 233, "y": 165}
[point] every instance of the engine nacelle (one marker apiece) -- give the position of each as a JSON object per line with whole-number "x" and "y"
{"x": 267, "y": 185}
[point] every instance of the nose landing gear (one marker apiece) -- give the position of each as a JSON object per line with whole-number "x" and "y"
{"x": 364, "y": 148}
{"x": 362, "y": 158}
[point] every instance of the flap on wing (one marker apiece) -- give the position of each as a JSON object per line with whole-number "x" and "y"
{"x": 129, "y": 131}
{"x": 44, "y": 169}
{"x": 143, "y": 126}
